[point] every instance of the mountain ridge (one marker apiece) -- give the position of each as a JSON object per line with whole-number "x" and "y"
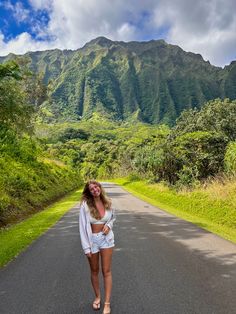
{"x": 152, "y": 80}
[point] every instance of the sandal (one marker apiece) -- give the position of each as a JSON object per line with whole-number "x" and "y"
{"x": 109, "y": 311}
{"x": 96, "y": 305}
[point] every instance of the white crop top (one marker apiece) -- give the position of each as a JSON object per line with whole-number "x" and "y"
{"x": 103, "y": 220}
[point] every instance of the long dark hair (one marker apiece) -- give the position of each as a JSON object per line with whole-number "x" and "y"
{"x": 89, "y": 199}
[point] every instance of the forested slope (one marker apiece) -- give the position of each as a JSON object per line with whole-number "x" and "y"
{"x": 30, "y": 178}
{"x": 150, "y": 81}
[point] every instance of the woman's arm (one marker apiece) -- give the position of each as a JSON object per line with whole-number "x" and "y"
{"x": 83, "y": 231}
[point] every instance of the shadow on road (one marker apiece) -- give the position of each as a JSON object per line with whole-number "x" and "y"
{"x": 143, "y": 226}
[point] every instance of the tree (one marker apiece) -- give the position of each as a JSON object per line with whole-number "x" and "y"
{"x": 21, "y": 93}
{"x": 15, "y": 111}
{"x": 10, "y": 69}
{"x": 215, "y": 116}
{"x": 201, "y": 153}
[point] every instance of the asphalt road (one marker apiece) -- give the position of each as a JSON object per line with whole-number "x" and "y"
{"x": 161, "y": 265}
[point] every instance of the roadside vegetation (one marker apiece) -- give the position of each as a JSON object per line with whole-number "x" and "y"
{"x": 18, "y": 237}
{"x": 212, "y": 207}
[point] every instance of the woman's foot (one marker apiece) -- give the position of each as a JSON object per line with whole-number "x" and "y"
{"x": 97, "y": 304}
{"x": 107, "y": 308}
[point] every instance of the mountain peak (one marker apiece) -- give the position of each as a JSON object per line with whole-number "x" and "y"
{"x": 101, "y": 41}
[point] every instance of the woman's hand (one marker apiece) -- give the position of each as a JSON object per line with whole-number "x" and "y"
{"x": 89, "y": 254}
{"x": 105, "y": 230}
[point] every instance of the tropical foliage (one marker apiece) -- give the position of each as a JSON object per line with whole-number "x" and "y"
{"x": 28, "y": 179}
{"x": 187, "y": 154}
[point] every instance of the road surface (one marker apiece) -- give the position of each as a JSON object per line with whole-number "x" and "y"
{"x": 161, "y": 264}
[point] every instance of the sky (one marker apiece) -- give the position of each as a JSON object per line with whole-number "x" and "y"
{"x": 207, "y": 27}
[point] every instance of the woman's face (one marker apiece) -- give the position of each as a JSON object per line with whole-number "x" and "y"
{"x": 94, "y": 190}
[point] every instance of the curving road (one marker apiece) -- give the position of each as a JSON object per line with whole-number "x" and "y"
{"x": 161, "y": 264}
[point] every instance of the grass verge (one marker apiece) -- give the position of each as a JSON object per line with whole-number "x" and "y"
{"x": 199, "y": 207}
{"x": 18, "y": 237}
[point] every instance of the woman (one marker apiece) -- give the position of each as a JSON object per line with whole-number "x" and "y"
{"x": 97, "y": 238}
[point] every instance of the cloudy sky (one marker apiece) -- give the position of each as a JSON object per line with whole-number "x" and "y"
{"x": 207, "y": 27}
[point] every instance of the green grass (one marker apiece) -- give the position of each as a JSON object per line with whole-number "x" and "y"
{"x": 18, "y": 237}
{"x": 217, "y": 215}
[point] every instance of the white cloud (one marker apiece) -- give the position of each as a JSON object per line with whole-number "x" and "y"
{"x": 40, "y": 4}
{"x": 19, "y": 12}
{"x": 76, "y": 22}
{"x": 206, "y": 27}
{"x": 23, "y": 43}
{"x": 126, "y": 32}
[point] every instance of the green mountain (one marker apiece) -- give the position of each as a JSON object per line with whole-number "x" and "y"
{"x": 150, "y": 81}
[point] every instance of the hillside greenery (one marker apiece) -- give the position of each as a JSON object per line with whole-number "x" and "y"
{"x": 152, "y": 82}
{"x": 29, "y": 179}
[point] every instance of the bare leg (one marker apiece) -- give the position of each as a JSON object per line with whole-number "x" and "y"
{"x": 94, "y": 267}
{"x": 106, "y": 255}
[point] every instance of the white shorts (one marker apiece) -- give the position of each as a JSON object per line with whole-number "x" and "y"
{"x": 102, "y": 241}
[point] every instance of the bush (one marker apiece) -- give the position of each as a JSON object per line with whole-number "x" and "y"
{"x": 230, "y": 158}
{"x": 187, "y": 177}
{"x": 198, "y": 154}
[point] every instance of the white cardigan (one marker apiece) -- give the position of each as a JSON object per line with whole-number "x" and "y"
{"x": 85, "y": 226}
